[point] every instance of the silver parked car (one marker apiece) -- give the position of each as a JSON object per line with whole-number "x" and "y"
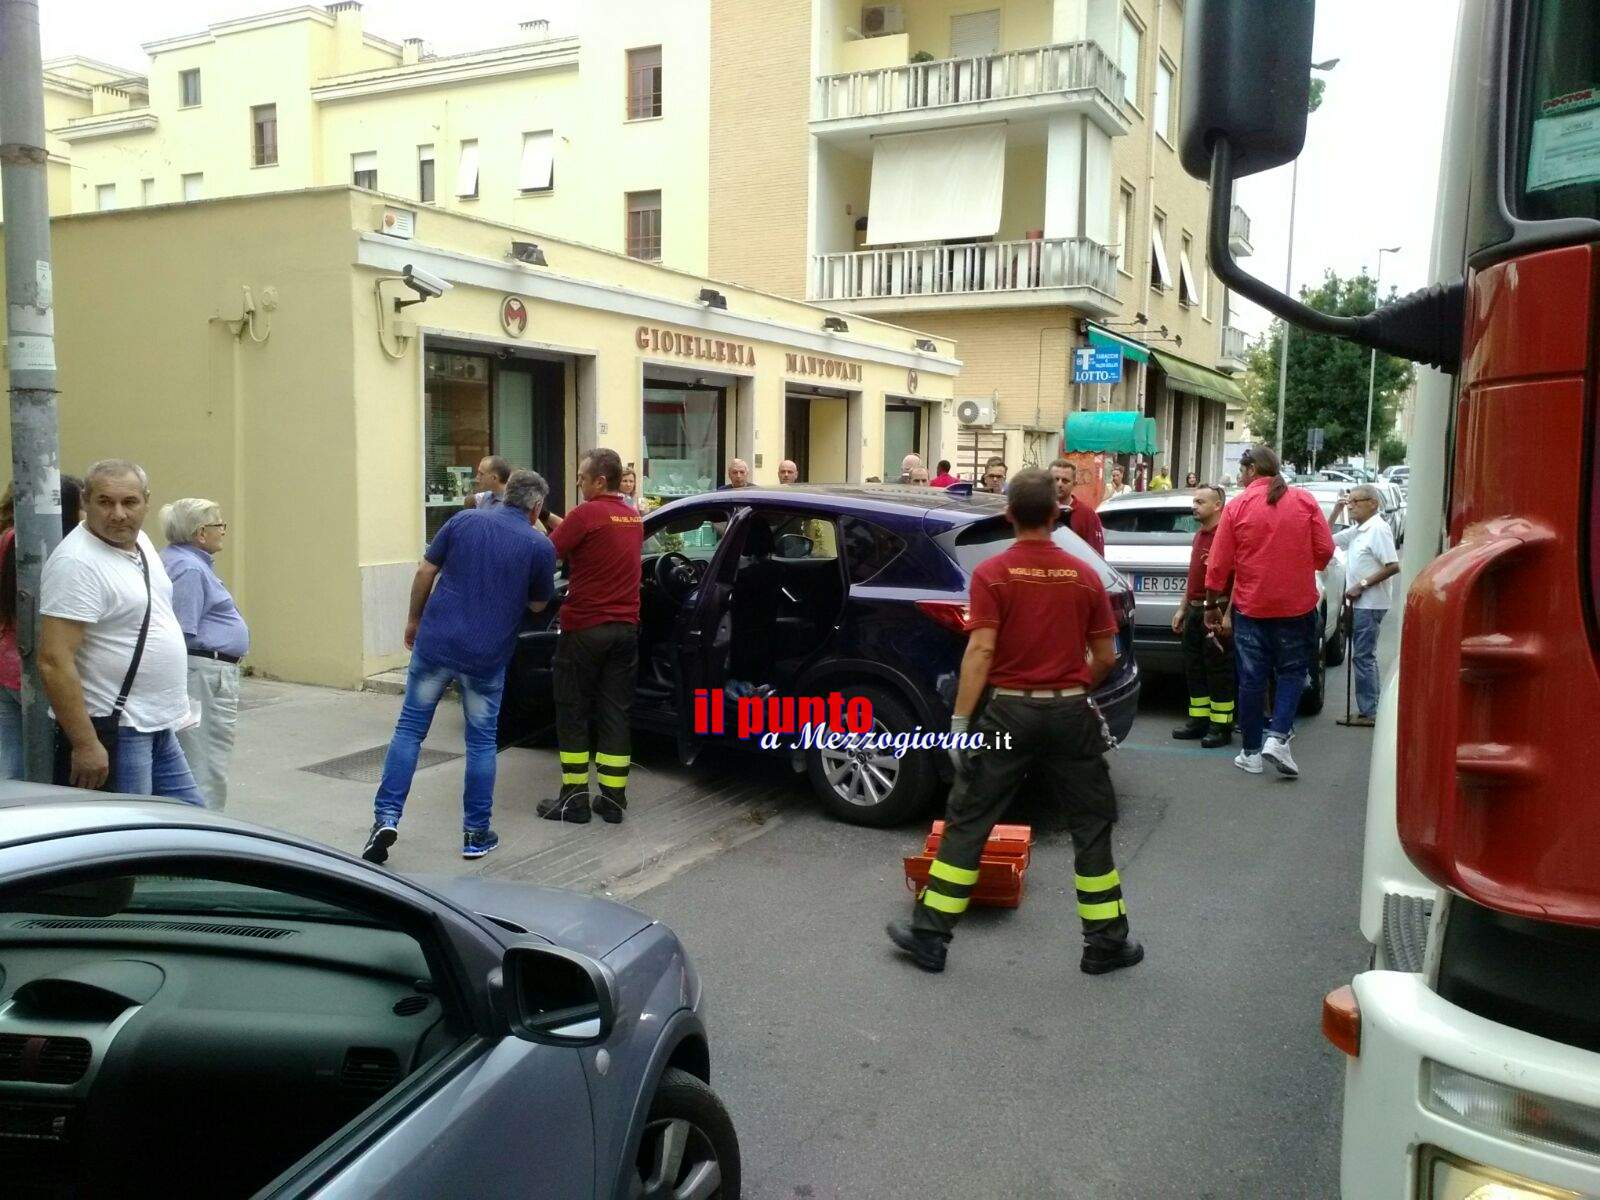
{"x": 194, "y": 1006}
{"x": 1148, "y": 536}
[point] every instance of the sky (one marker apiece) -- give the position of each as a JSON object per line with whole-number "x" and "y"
{"x": 1367, "y": 176}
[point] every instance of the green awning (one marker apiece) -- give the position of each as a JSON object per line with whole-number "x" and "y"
{"x": 1186, "y": 376}
{"x": 1116, "y": 432}
{"x": 1131, "y": 350}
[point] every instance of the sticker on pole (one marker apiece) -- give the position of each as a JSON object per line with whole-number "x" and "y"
{"x": 1097, "y": 364}
{"x": 26, "y": 352}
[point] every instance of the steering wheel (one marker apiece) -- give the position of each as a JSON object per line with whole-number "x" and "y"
{"x": 676, "y": 575}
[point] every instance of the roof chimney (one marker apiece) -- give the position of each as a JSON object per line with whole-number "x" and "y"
{"x": 346, "y": 34}
{"x": 537, "y": 30}
{"x": 411, "y": 51}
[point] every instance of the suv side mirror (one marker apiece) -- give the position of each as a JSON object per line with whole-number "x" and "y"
{"x": 1246, "y": 77}
{"x": 557, "y": 997}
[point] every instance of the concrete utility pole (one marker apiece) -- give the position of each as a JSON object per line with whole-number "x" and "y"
{"x": 30, "y": 352}
{"x": 1372, "y": 364}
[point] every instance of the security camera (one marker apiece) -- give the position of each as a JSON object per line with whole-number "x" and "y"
{"x": 424, "y": 284}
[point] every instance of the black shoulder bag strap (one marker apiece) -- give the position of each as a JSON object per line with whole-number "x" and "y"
{"x": 138, "y": 648}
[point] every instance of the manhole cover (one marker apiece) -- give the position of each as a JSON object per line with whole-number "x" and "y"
{"x": 366, "y": 766}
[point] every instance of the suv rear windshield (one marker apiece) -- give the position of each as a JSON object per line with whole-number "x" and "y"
{"x": 980, "y": 541}
{"x": 1148, "y": 520}
{"x": 1559, "y": 141}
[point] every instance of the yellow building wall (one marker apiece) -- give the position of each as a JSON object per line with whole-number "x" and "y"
{"x": 1022, "y": 24}
{"x": 873, "y": 54}
{"x": 830, "y": 438}
{"x": 760, "y": 154}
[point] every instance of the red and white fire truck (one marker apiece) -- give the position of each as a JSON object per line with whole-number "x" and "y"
{"x": 1473, "y": 1068}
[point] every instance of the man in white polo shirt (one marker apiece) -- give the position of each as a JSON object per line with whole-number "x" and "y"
{"x": 1371, "y": 563}
{"x": 103, "y": 585}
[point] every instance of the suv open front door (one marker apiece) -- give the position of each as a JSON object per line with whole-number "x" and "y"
{"x": 698, "y": 649}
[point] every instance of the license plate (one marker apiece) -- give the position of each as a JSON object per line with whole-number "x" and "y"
{"x": 1161, "y": 585}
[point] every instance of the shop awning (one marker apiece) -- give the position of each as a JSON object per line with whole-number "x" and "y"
{"x": 1186, "y": 376}
{"x": 946, "y": 183}
{"x": 1117, "y": 432}
{"x": 1131, "y": 350}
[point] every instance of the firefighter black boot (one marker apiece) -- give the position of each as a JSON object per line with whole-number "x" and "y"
{"x": 927, "y": 950}
{"x": 1105, "y": 954}
{"x": 1218, "y": 735}
{"x": 1193, "y": 729}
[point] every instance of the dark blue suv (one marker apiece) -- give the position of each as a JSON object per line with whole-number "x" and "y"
{"x": 807, "y": 591}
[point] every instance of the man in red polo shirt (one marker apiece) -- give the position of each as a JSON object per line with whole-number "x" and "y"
{"x": 1081, "y": 518}
{"x": 1207, "y": 655}
{"x": 1042, "y": 636}
{"x": 1273, "y": 540}
{"x": 597, "y": 656}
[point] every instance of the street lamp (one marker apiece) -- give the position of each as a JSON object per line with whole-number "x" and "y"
{"x": 1288, "y": 272}
{"x": 1372, "y": 366}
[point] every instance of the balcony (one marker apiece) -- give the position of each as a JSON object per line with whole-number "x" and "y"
{"x": 1041, "y": 80}
{"x": 1068, "y": 271}
{"x": 1235, "y": 345}
{"x": 1239, "y": 233}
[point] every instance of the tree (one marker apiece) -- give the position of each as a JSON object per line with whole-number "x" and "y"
{"x": 1327, "y": 379}
{"x": 1391, "y": 450}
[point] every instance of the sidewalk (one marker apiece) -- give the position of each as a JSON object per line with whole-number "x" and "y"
{"x": 287, "y": 774}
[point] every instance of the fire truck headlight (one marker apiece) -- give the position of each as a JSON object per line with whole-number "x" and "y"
{"x": 1497, "y": 1108}
{"x": 1446, "y": 1177}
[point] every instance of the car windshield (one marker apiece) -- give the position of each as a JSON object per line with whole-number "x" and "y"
{"x": 1163, "y": 519}
{"x": 181, "y": 894}
{"x": 694, "y": 533}
{"x": 974, "y": 544}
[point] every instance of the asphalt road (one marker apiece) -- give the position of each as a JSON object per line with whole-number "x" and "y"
{"x": 1200, "y": 1073}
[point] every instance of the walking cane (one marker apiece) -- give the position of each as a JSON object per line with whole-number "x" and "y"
{"x": 1347, "y": 623}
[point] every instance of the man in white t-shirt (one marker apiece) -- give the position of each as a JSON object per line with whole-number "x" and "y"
{"x": 92, "y": 604}
{"x": 1371, "y": 563}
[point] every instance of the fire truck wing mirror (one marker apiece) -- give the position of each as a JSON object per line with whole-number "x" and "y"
{"x": 1246, "y": 77}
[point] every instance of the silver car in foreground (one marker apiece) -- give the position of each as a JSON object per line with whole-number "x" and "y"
{"x": 1148, "y": 537}
{"x": 194, "y": 1006}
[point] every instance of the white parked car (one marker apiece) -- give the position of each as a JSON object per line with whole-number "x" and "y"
{"x": 1148, "y": 536}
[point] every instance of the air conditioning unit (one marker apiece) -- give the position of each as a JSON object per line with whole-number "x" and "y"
{"x": 975, "y": 412}
{"x": 878, "y": 20}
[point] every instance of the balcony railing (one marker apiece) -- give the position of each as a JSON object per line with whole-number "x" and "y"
{"x": 1234, "y": 342}
{"x": 1239, "y": 230}
{"x": 1012, "y": 74}
{"x": 979, "y": 267}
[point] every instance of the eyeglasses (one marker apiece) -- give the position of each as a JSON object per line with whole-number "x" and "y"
{"x": 222, "y": 525}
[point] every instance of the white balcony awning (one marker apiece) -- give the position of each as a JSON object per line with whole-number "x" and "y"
{"x": 946, "y": 183}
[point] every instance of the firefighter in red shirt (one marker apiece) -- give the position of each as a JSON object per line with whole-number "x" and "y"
{"x": 1272, "y": 541}
{"x": 1081, "y": 518}
{"x": 597, "y": 655}
{"x": 1042, "y": 636}
{"x": 1207, "y": 654}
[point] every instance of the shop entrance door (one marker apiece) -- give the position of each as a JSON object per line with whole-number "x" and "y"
{"x": 797, "y": 434}
{"x": 902, "y": 435}
{"x": 685, "y": 439}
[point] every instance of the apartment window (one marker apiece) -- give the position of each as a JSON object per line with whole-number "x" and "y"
{"x": 189, "y": 88}
{"x": 364, "y": 169}
{"x": 264, "y": 124}
{"x": 1188, "y": 293}
{"x": 538, "y": 171}
{"x": 105, "y": 196}
{"x": 1130, "y": 53}
{"x": 147, "y": 191}
{"x": 1125, "y": 231}
{"x": 1161, "y": 118}
{"x": 192, "y": 185}
{"x": 425, "y": 174}
{"x": 467, "y": 171}
{"x": 1160, "y": 273}
{"x": 644, "y": 226}
{"x": 1230, "y": 426}
{"x": 644, "y": 83}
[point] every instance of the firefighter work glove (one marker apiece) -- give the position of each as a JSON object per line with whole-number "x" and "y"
{"x": 960, "y": 759}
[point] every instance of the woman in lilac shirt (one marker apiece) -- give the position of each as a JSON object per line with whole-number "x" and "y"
{"x": 216, "y": 635}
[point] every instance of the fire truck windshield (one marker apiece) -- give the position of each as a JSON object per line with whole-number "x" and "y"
{"x": 1559, "y": 140}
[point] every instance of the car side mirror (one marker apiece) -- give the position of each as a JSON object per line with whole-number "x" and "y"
{"x": 795, "y": 545}
{"x": 557, "y": 997}
{"x": 1247, "y": 78}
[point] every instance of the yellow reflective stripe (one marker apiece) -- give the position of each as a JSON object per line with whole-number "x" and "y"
{"x": 1097, "y": 883}
{"x": 943, "y": 903}
{"x": 1222, "y": 706}
{"x": 1221, "y": 718}
{"x": 1199, "y": 708}
{"x": 956, "y": 875}
{"x": 612, "y": 760}
{"x": 1102, "y": 912}
{"x": 574, "y": 777}
{"x": 616, "y": 781}
{"x": 575, "y": 757}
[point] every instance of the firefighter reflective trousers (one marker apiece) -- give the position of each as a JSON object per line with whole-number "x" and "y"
{"x": 1062, "y": 742}
{"x": 593, "y": 686}
{"x": 1208, "y": 668}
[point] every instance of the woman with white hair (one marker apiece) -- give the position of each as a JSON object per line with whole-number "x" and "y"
{"x": 216, "y": 635}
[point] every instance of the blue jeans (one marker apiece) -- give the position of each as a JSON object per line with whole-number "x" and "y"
{"x": 1365, "y": 657}
{"x": 152, "y": 764}
{"x": 1278, "y": 649}
{"x": 10, "y": 734}
{"x": 480, "y": 701}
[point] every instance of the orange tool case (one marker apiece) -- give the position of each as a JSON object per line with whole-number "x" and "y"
{"x": 1001, "y": 867}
